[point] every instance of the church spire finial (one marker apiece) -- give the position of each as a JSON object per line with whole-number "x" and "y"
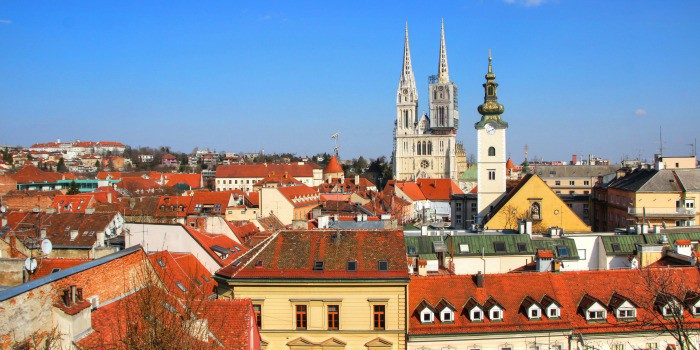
{"x": 443, "y": 71}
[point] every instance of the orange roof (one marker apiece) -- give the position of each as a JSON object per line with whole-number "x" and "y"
{"x": 567, "y": 289}
{"x": 300, "y": 196}
{"x": 261, "y": 170}
{"x": 191, "y": 180}
{"x": 438, "y": 189}
{"x": 411, "y": 190}
{"x": 293, "y": 255}
{"x": 253, "y": 199}
{"x": 76, "y": 203}
{"x": 30, "y": 173}
{"x": 183, "y": 269}
{"x": 333, "y": 167}
{"x": 546, "y": 254}
{"x": 210, "y": 240}
{"x": 682, "y": 242}
{"x": 48, "y": 266}
{"x": 510, "y": 165}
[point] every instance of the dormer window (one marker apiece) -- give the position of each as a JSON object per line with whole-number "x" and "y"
{"x": 534, "y": 313}
{"x": 447, "y": 315}
{"x": 595, "y": 315}
{"x": 476, "y": 315}
{"x": 496, "y": 315}
{"x": 427, "y": 316}
{"x": 553, "y": 312}
{"x": 626, "y": 313}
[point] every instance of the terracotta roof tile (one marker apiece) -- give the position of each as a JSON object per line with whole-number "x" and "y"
{"x": 261, "y": 170}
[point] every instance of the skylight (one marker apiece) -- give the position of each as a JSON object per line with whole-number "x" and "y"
{"x": 522, "y": 247}
{"x": 352, "y": 265}
{"x": 616, "y": 247}
{"x": 499, "y": 247}
{"x": 161, "y": 263}
{"x": 318, "y": 265}
{"x": 179, "y": 285}
{"x": 383, "y": 265}
{"x": 563, "y": 251}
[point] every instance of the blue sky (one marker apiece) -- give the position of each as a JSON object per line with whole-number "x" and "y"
{"x": 576, "y": 77}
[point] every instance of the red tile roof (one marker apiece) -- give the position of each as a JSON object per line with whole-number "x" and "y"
{"x": 293, "y": 254}
{"x": 682, "y": 242}
{"x": 252, "y": 199}
{"x": 411, "y": 190}
{"x": 438, "y": 189}
{"x": 30, "y": 173}
{"x": 546, "y": 254}
{"x": 210, "y": 240}
{"x": 333, "y": 167}
{"x": 76, "y": 203}
{"x": 210, "y": 201}
{"x": 191, "y": 180}
{"x": 233, "y": 323}
{"x": 567, "y": 289}
{"x": 59, "y": 227}
{"x": 183, "y": 269}
{"x": 46, "y": 266}
{"x": 300, "y": 196}
{"x": 261, "y": 170}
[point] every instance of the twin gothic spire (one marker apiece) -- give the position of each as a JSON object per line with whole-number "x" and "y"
{"x": 407, "y": 77}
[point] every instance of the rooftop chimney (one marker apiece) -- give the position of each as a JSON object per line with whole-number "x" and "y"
{"x": 479, "y": 280}
{"x": 574, "y": 159}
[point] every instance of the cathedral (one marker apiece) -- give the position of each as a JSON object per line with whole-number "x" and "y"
{"x": 425, "y": 146}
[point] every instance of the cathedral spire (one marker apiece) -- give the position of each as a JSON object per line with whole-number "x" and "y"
{"x": 407, "y": 78}
{"x": 443, "y": 72}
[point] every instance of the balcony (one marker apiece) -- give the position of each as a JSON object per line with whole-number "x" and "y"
{"x": 662, "y": 212}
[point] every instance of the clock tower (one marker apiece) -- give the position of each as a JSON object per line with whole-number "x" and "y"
{"x": 491, "y": 148}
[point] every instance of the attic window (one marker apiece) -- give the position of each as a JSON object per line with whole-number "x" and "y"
{"x": 499, "y": 247}
{"x": 318, "y": 265}
{"x": 383, "y": 265}
{"x": 563, "y": 251}
{"x": 179, "y": 285}
{"x": 352, "y": 265}
{"x": 616, "y": 247}
{"x": 411, "y": 250}
{"x": 55, "y": 269}
{"x": 496, "y": 315}
{"x": 161, "y": 263}
{"x": 522, "y": 247}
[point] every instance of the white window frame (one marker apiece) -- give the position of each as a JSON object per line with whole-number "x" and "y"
{"x": 626, "y": 311}
{"x": 494, "y": 311}
{"x": 534, "y": 313}
{"x": 447, "y": 315}
{"x": 426, "y": 312}
{"x": 556, "y": 311}
{"x": 595, "y": 315}
{"x": 472, "y": 316}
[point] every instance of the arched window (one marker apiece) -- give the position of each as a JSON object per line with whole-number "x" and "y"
{"x": 419, "y": 148}
{"x": 424, "y": 148}
{"x": 430, "y": 147}
{"x": 492, "y": 151}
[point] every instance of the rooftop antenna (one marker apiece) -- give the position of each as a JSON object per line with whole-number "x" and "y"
{"x": 336, "y": 149}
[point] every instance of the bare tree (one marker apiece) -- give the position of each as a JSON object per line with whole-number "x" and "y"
{"x": 667, "y": 298}
{"x": 50, "y": 340}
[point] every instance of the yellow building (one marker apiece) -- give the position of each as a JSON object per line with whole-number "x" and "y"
{"x": 325, "y": 289}
{"x": 532, "y": 200}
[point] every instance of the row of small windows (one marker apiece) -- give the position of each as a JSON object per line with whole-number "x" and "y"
{"x": 572, "y": 183}
{"x": 301, "y": 316}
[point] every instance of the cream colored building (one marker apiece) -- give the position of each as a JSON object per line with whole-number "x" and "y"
{"x": 245, "y": 176}
{"x": 325, "y": 289}
{"x": 426, "y": 147}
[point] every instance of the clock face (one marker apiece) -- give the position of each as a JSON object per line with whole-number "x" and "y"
{"x": 405, "y": 91}
{"x": 490, "y": 129}
{"x": 440, "y": 88}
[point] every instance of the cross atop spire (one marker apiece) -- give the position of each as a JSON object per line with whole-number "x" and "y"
{"x": 407, "y": 78}
{"x": 443, "y": 71}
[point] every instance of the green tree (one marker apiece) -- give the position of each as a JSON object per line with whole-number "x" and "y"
{"x": 97, "y": 164}
{"x": 73, "y": 189}
{"x": 61, "y": 167}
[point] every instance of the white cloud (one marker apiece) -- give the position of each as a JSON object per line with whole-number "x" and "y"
{"x": 5, "y": 21}
{"x": 526, "y": 3}
{"x": 640, "y": 112}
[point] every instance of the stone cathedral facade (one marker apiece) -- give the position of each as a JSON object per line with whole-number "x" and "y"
{"x": 425, "y": 146}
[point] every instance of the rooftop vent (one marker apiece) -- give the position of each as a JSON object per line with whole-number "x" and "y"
{"x": 352, "y": 265}
{"x": 318, "y": 265}
{"x": 383, "y": 265}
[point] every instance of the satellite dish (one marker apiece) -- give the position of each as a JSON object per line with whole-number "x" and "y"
{"x": 46, "y": 247}
{"x": 30, "y": 264}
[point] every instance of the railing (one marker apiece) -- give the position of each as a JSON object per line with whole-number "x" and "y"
{"x": 661, "y": 211}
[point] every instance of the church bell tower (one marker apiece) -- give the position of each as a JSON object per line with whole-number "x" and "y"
{"x": 491, "y": 147}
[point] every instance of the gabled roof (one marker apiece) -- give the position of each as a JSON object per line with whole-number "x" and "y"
{"x": 290, "y": 255}
{"x": 48, "y": 266}
{"x": 30, "y": 173}
{"x": 209, "y": 241}
{"x": 547, "y": 301}
{"x": 191, "y": 180}
{"x": 300, "y": 196}
{"x": 471, "y": 303}
{"x": 183, "y": 269}
{"x": 587, "y": 301}
{"x": 617, "y": 299}
{"x": 59, "y": 227}
{"x": 76, "y": 203}
{"x": 411, "y": 190}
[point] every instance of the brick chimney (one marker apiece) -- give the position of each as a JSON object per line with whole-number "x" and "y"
{"x": 72, "y": 314}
